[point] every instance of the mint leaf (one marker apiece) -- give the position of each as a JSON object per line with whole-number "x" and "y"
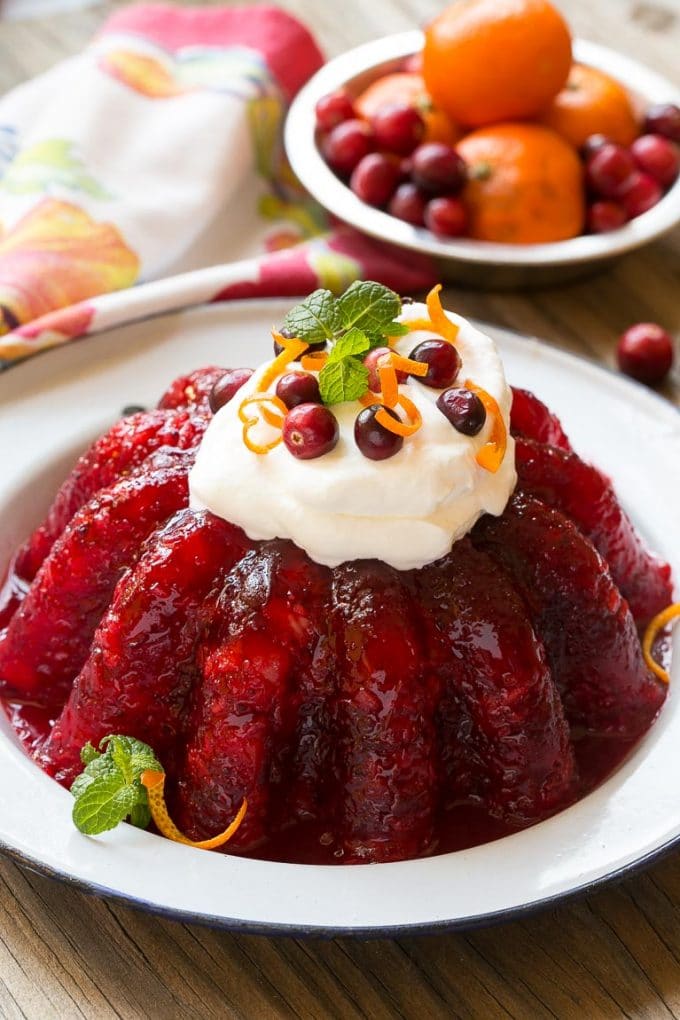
{"x": 103, "y": 805}
{"x": 353, "y": 342}
{"x": 344, "y": 379}
{"x": 109, "y": 789}
{"x": 396, "y": 329}
{"x": 315, "y": 319}
{"x": 369, "y": 306}
{"x": 88, "y": 753}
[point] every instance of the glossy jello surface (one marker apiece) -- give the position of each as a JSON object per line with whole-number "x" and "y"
{"x": 366, "y": 713}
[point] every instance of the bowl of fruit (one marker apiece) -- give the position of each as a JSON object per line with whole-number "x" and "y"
{"x": 493, "y": 143}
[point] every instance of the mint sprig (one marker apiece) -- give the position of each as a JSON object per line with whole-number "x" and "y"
{"x": 109, "y": 788}
{"x": 353, "y": 324}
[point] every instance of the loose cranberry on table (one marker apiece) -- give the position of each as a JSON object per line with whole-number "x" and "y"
{"x": 605, "y": 215}
{"x": 639, "y": 193}
{"x": 375, "y": 178}
{"x": 225, "y": 388}
{"x": 658, "y": 157}
{"x": 608, "y": 169}
{"x": 347, "y": 144}
{"x": 442, "y": 359}
{"x": 295, "y": 388}
{"x": 408, "y": 204}
{"x": 333, "y": 109}
{"x": 446, "y": 216}
{"x": 645, "y": 352}
{"x": 310, "y": 431}
{"x": 372, "y": 362}
{"x": 663, "y": 119}
{"x": 373, "y": 439}
{"x": 463, "y": 409}
{"x": 398, "y": 128}
{"x": 438, "y": 169}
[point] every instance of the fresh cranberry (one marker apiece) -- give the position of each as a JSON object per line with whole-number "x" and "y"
{"x": 398, "y": 128}
{"x": 464, "y": 410}
{"x": 408, "y": 203}
{"x": 310, "y": 430}
{"x": 645, "y": 352}
{"x": 295, "y": 388}
{"x": 639, "y": 193}
{"x": 608, "y": 169}
{"x": 333, "y": 109}
{"x": 438, "y": 169}
{"x": 663, "y": 119}
{"x": 372, "y": 363}
{"x": 347, "y": 144}
{"x": 310, "y": 349}
{"x": 375, "y": 178}
{"x": 373, "y": 439}
{"x": 604, "y": 216}
{"x": 225, "y": 388}
{"x": 658, "y": 157}
{"x": 442, "y": 359}
{"x": 592, "y": 144}
{"x": 446, "y": 216}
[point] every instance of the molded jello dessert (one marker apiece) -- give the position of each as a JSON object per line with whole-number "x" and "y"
{"x": 365, "y": 603}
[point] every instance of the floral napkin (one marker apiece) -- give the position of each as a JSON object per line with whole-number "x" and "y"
{"x": 156, "y": 152}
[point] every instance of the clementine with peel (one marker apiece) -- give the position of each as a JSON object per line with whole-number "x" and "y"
{"x": 592, "y": 103}
{"x": 525, "y": 184}
{"x": 491, "y": 60}
{"x": 407, "y": 88}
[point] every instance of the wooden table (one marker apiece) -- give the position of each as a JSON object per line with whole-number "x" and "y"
{"x": 614, "y": 954}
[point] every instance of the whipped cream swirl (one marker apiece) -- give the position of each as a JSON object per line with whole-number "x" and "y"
{"x": 406, "y": 511}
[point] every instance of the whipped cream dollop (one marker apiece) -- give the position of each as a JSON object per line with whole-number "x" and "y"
{"x": 407, "y": 510}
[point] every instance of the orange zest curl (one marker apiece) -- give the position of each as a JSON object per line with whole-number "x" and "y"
{"x": 389, "y": 385}
{"x": 438, "y": 316}
{"x": 260, "y": 402}
{"x": 666, "y": 616}
{"x": 315, "y": 361}
{"x": 413, "y": 324}
{"x": 292, "y": 349}
{"x": 399, "y": 427}
{"x": 491, "y": 455}
{"x": 154, "y": 782}
{"x": 417, "y": 368}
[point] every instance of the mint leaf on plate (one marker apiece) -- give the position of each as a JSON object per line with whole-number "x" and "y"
{"x": 369, "y": 306}
{"x": 315, "y": 319}
{"x": 109, "y": 788}
{"x": 343, "y": 379}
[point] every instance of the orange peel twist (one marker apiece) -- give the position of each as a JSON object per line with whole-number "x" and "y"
{"x": 490, "y": 456}
{"x": 401, "y": 428}
{"x": 261, "y": 400}
{"x": 154, "y": 783}
{"x": 438, "y": 316}
{"x": 292, "y": 349}
{"x": 666, "y": 616}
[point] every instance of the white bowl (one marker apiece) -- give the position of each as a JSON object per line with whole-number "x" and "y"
{"x": 480, "y": 263}
{"x": 55, "y": 404}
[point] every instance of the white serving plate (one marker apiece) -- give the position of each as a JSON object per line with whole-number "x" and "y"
{"x": 480, "y": 263}
{"x": 53, "y": 405}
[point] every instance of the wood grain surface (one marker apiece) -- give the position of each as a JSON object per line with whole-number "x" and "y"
{"x": 615, "y": 954}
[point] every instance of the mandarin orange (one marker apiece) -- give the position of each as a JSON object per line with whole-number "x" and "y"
{"x": 592, "y": 103}
{"x": 408, "y": 88}
{"x": 525, "y": 184}
{"x": 493, "y": 60}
